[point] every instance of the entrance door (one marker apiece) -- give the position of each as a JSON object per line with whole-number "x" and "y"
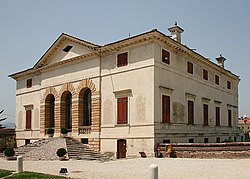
{"x": 121, "y": 149}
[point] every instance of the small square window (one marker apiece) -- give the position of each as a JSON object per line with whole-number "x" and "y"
{"x": 165, "y": 57}
{"x": 228, "y": 85}
{"x": 191, "y": 140}
{"x": 205, "y": 140}
{"x": 29, "y": 83}
{"x": 84, "y": 141}
{"x": 190, "y": 68}
{"x": 205, "y": 74}
{"x": 67, "y": 48}
{"x": 166, "y": 141}
{"x": 122, "y": 59}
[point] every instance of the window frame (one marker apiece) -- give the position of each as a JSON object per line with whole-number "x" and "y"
{"x": 29, "y": 83}
{"x": 205, "y": 114}
{"x": 119, "y": 61}
{"x": 229, "y": 85}
{"x": 217, "y": 116}
{"x": 28, "y": 119}
{"x": 190, "y": 112}
{"x": 164, "y": 54}
{"x": 122, "y": 110}
{"x": 166, "y": 113}
{"x": 229, "y": 117}
{"x": 217, "y": 79}
{"x": 205, "y": 74}
{"x": 190, "y": 67}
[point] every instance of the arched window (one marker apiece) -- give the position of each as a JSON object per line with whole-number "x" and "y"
{"x": 68, "y": 111}
{"x": 87, "y": 108}
{"x": 52, "y": 112}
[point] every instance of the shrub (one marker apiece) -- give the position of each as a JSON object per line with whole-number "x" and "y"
{"x": 9, "y": 152}
{"x": 64, "y": 130}
{"x": 50, "y": 131}
{"x": 61, "y": 152}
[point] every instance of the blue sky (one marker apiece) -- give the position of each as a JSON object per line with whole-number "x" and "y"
{"x": 28, "y": 28}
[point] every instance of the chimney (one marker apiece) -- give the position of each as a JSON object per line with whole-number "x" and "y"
{"x": 176, "y": 32}
{"x": 220, "y": 61}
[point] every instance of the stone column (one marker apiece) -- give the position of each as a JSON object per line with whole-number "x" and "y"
{"x": 57, "y": 118}
{"x": 96, "y": 120}
{"x": 42, "y": 119}
{"x": 75, "y": 115}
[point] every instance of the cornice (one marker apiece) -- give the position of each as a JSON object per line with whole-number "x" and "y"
{"x": 54, "y": 65}
{"x": 153, "y": 36}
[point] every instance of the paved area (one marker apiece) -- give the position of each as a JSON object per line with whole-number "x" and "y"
{"x": 139, "y": 168}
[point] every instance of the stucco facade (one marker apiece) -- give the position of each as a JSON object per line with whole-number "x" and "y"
{"x": 72, "y": 68}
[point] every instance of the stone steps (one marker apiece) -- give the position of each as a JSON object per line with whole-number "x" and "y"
{"x": 76, "y": 150}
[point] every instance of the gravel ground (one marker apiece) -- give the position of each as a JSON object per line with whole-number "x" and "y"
{"x": 139, "y": 168}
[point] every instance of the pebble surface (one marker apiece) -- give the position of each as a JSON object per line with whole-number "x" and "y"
{"x": 139, "y": 168}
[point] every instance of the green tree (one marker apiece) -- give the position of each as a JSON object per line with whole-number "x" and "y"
{"x": 2, "y": 119}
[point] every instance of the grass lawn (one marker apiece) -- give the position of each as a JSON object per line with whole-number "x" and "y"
{"x": 6, "y": 174}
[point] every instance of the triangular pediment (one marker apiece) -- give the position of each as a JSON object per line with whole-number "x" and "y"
{"x": 65, "y": 47}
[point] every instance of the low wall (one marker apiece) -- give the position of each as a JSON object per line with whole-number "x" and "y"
{"x": 210, "y": 150}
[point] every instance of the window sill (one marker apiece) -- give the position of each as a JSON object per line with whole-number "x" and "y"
{"x": 122, "y": 125}
{"x": 27, "y": 129}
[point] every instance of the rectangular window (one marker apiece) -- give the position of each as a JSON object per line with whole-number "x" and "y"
{"x": 205, "y": 74}
{"x": 205, "y": 114}
{"x": 190, "y": 112}
{"x": 165, "y": 57}
{"x": 28, "y": 119}
{"x": 165, "y": 109}
{"x": 29, "y": 83}
{"x": 229, "y": 118}
{"x": 217, "y": 117}
{"x": 190, "y": 67}
{"x": 228, "y": 85}
{"x": 217, "y": 79}
{"x": 205, "y": 140}
{"x": 122, "y": 59}
{"x": 122, "y": 110}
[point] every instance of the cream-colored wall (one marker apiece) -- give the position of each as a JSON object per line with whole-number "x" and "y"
{"x": 181, "y": 87}
{"x": 137, "y": 76}
{"x": 74, "y": 74}
{"x": 76, "y": 50}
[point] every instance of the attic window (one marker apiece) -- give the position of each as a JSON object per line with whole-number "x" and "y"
{"x": 67, "y": 48}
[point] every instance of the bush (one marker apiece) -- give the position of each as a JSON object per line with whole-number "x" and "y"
{"x": 64, "y": 130}
{"x": 50, "y": 131}
{"x": 9, "y": 152}
{"x": 61, "y": 152}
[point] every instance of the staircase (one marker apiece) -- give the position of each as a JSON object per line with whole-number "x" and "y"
{"x": 79, "y": 151}
{"x": 22, "y": 150}
{"x": 76, "y": 150}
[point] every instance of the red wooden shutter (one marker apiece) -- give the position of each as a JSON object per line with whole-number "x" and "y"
{"x": 122, "y": 59}
{"x": 165, "y": 56}
{"x": 205, "y": 74}
{"x": 217, "y": 80}
{"x": 190, "y": 112}
{"x": 29, "y": 83}
{"x": 229, "y": 118}
{"x": 166, "y": 109}
{"x": 122, "y": 110}
{"x": 28, "y": 119}
{"x": 205, "y": 114}
{"x": 217, "y": 116}
{"x": 228, "y": 85}
{"x": 190, "y": 67}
